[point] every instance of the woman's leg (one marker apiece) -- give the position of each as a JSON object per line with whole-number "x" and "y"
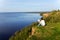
{"x": 38, "y": 24}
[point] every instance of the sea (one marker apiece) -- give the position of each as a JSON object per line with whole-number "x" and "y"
{"x": 10, "y": 22}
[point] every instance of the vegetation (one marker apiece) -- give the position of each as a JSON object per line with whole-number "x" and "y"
{"x": 49, "y": 32}
{"x": 53, "y": 17}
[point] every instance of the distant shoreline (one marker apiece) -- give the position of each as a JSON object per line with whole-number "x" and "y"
{"x": 25, "y": 12}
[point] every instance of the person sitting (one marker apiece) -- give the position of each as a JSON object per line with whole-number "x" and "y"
{"x": 41, "y": 22}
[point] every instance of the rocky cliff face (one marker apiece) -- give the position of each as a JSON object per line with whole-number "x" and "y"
{"x": 46, "y": 14}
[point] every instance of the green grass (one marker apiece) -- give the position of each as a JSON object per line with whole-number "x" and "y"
{"x": 48, "y": 32}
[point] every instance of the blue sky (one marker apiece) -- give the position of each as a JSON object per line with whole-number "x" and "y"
{"x": 28, "y": 5}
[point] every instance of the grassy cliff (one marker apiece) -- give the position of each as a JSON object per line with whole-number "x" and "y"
{"x": 49, "y": 32}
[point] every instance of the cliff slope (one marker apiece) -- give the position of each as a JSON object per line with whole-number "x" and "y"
{"x": 49, "y": 32}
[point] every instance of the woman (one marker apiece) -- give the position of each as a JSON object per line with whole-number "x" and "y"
{"x": 41, "y": 22}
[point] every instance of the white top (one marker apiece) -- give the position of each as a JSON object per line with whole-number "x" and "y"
{"x": 42, "y": 22}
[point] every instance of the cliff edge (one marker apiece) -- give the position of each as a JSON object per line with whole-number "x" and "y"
{"x": 49, "y": 32}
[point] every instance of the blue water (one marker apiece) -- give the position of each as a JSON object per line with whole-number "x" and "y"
{"x": 10, "y": 22}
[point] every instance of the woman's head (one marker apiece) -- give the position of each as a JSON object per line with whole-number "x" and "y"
{"x": 42, "y": 18}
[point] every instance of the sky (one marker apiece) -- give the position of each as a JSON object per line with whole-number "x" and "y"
{"x": 28, "y": 5}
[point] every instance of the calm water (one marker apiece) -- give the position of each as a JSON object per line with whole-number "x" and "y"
{"x": 11, "y": 22}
